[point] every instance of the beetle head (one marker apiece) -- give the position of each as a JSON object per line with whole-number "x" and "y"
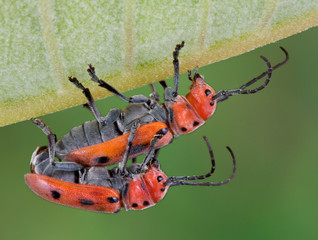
{"x": 200, "y": 96}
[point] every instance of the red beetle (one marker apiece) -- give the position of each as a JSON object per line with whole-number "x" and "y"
{"x": 107, "y": 190}
{"x": 145, "y": 122}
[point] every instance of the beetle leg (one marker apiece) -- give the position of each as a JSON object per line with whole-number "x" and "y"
{"x": 189, "y": 75}
{"x": 122, "y": 165}
{"x": 154, "y": 95}
{"x": 62, "y": 166}
{"x": 51, "y": 137}
{"x": 163, "y": 84}
{"x": 91, "y": 103}
{"x": 152, "y": 152}
{"x": 67, "y": 166}
{"x": 103, "y": 84}
{"x": 156, "y": 153}
{"x": 176, "y": 65}
{"x": 195, "y": 74}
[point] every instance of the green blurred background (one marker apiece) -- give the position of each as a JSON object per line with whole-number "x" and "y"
{"x": 273, "y": 134}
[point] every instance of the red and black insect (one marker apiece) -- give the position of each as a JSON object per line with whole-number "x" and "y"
{"x": 145, "y": 122}
{"x": 107, "y": 190}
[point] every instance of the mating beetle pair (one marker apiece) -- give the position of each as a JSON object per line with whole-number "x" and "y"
{"x": 144, "y": 126}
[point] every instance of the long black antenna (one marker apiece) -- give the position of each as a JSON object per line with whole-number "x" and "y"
{"x": 188, "y": 180}
{"x": 225, "y": 94}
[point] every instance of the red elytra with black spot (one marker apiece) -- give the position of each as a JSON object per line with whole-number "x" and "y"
{"x": 139, "y": 191}
{"x": 113, "y": 150}
{"x": 88, "y": 197}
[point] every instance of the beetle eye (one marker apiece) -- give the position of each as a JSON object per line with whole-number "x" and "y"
{"x": 207, "y": 92}
{"x": 159, "y": 178}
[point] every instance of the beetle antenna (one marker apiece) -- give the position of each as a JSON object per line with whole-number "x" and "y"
{"x": 225, "y": 94}
{"x": 186, "y": 180}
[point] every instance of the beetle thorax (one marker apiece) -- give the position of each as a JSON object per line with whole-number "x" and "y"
{"x": 183, "y": 117}
{"x": 145, "y": 189}
{"x": 200, "y": 97}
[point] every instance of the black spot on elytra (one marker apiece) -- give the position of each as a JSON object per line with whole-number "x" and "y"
{"x": 195, "y": 123}
{"x": 142, "y": 186}
{"x": 159, "y": 178}
{"x": 101, "y": 159}
{"x": 183, "y": 129}
{"x": 212, "y": 103}
{"x": 86, "y": 202}
{"x": 162, "y": 131}
{"x": 55, "y": 194}
{"x": 112, "y": 199}
{"x": 146, "y": 203}
{"x": 162, "y": 189}
{"x": 137, "y": 149}
{"x": 134, "y": 205}
{"x": 207, "y": 92}
{"x": 188, "y": 106}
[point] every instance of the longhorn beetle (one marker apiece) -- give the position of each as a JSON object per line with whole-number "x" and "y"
{"x": 107, "y": 190}
{"x": 145, "y": 122}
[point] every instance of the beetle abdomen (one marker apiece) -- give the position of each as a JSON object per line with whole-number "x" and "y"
{"x": 88, "y": 134}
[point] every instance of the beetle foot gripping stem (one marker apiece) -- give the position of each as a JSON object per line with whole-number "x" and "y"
{"x": 90, "y": 105}
{"x": 103, "y": 84}
{"x": 40, "y": 124}
{"x": 51, "y": 137}
{"x": 176, "y": 66}
{"x": 195, "y": 74}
